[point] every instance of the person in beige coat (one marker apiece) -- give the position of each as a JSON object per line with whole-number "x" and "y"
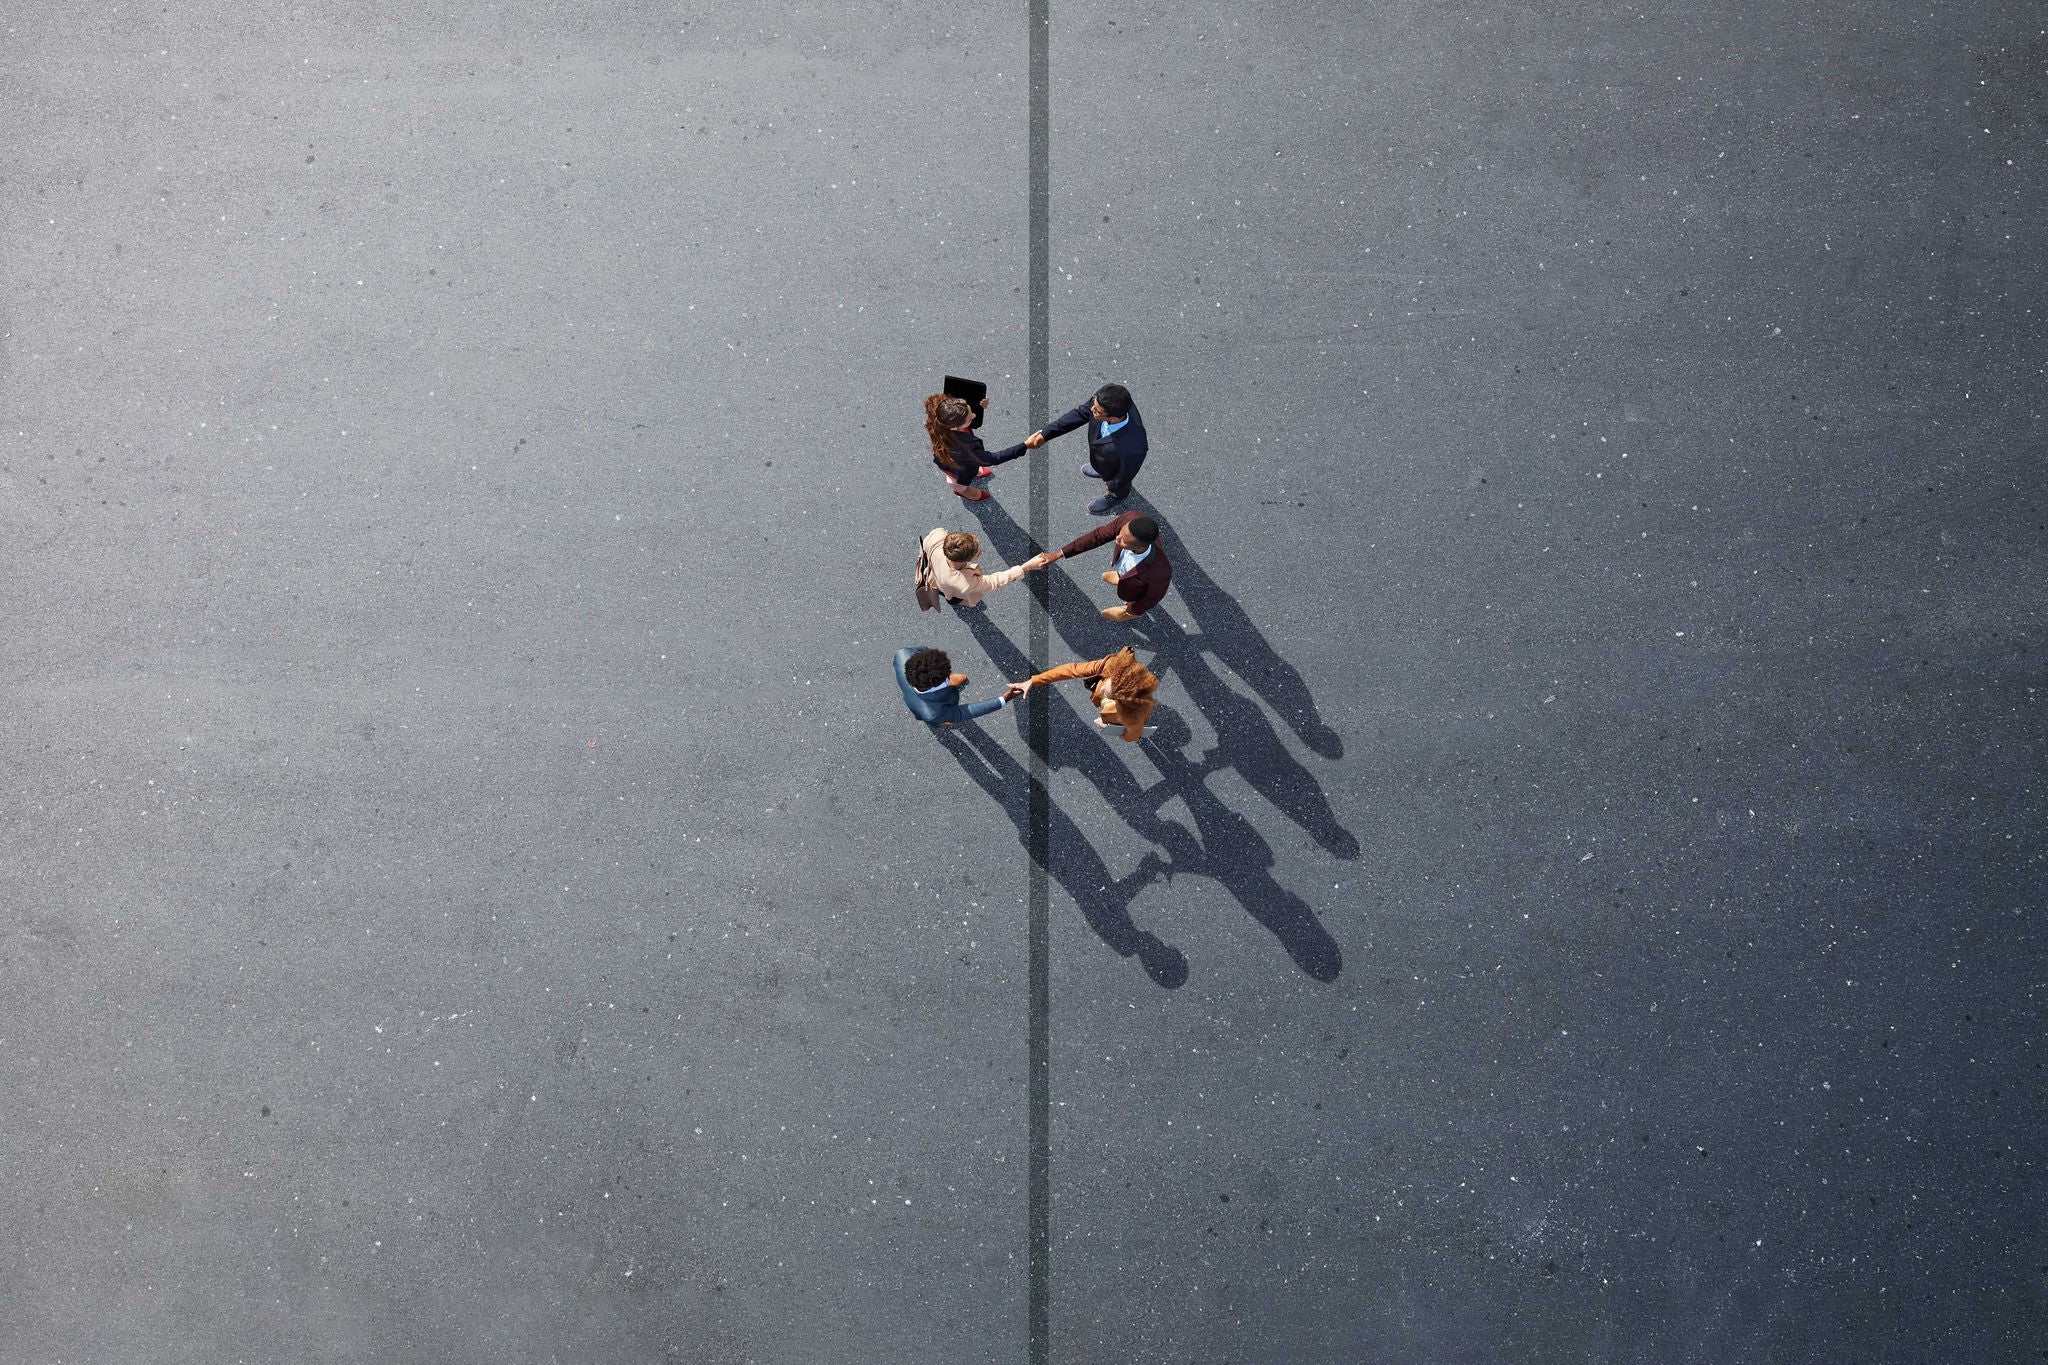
{"x": 956, "y": 571}
{"x": 1121, "y": 688}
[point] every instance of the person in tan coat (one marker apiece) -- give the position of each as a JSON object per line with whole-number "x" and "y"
{"x": 956, "y": 572}
{"x": 1121, "y": 688}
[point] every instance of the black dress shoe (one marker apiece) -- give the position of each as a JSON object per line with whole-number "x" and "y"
{"x": 1090, "y": 470}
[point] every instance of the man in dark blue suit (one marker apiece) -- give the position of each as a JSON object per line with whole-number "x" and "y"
{"x": 1116, "y": 441}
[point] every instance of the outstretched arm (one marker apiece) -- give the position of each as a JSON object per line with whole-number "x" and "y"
{"x": 1086, "y": 668}
{"x": 1088, "y": 540}
{"x": 991, "y": 581}
{"x": 992, "y": 458}
{"x": 954, "y": 713}
{"x": 1072, "y": 420}
{"x": 968, "y": 452}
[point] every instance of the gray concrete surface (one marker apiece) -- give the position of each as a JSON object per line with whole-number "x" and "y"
{"x": 471, "y": 892}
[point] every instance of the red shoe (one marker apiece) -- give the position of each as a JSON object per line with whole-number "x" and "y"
{"x": 985, "y": 472}
{"x": 971, "y": 494}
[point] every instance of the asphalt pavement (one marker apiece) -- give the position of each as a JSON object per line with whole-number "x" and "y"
{"x": 470, "y": 890}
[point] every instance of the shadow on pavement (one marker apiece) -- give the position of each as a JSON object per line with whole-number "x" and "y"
{"x": 1223, "y": 845}
{"x": 1245, "y": 739}
{"x": 1227, "y": 632}
{"x": 1104, "y": 901}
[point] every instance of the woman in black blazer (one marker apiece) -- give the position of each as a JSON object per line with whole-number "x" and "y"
{"x": 957, "y": 451}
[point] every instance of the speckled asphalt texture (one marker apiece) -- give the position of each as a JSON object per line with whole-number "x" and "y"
{"x": 470, "y": 892}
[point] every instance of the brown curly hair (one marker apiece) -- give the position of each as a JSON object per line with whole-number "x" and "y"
{"x": 1129, "y": 680}
{"x": 942, "y": 416}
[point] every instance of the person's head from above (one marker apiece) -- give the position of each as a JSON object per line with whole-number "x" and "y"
{"x": 954, "y": 414}
{"x": 1111, "y": 403}
{"x": 944, "y": 415}
{"x": 1138, "y": 534}
{"x": 961, "y": 547}
{"x": 929, "y": 668}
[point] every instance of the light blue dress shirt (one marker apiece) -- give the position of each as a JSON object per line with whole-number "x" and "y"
{"x": 1110, "y": 429}
{"x": 1130, "y": 559}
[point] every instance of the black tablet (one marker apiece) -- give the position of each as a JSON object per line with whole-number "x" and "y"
{"x": 973, "y": 390}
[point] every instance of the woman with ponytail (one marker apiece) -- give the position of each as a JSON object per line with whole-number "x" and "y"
{"x": 957, "y": 451}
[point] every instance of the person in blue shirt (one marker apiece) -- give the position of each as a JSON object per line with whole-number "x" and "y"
{"x": 1116, "y": 441}
{"x": 931, "y": 689}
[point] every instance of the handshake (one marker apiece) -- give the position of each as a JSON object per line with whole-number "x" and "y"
{"x": 1016, "y": 690}
{"x": 1040, "y": 560}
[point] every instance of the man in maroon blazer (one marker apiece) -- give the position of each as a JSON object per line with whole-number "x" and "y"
{"x": 1139, "y": 571}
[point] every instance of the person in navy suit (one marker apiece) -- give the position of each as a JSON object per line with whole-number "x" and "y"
{"x": 1116, "y": 441}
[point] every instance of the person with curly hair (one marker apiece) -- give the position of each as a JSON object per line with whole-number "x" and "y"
{"x": 931, "y": 689}
{"x": 957, "y": 451}
{"x": 1121, "y": 688}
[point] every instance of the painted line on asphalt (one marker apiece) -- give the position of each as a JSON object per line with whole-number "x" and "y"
{"x": 1039, "y": 704}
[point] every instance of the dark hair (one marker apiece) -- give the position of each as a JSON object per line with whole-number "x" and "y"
{"x": 961, "y": 546}
{"x": 1144, "y": 530}
{"x": 1115, "y": 400}
{"x": 942, "y": 415}
{"x": 927, "y": 668}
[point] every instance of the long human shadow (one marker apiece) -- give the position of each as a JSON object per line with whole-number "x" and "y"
{"x": 1228, "y": 633}
{"x": 1226, "y": 628}
{"x": 1073, "y": 612}
{"x": 1104, "y": 900}
{"x": 1246, "y": 740}
{"x": 1223, "y": 846}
